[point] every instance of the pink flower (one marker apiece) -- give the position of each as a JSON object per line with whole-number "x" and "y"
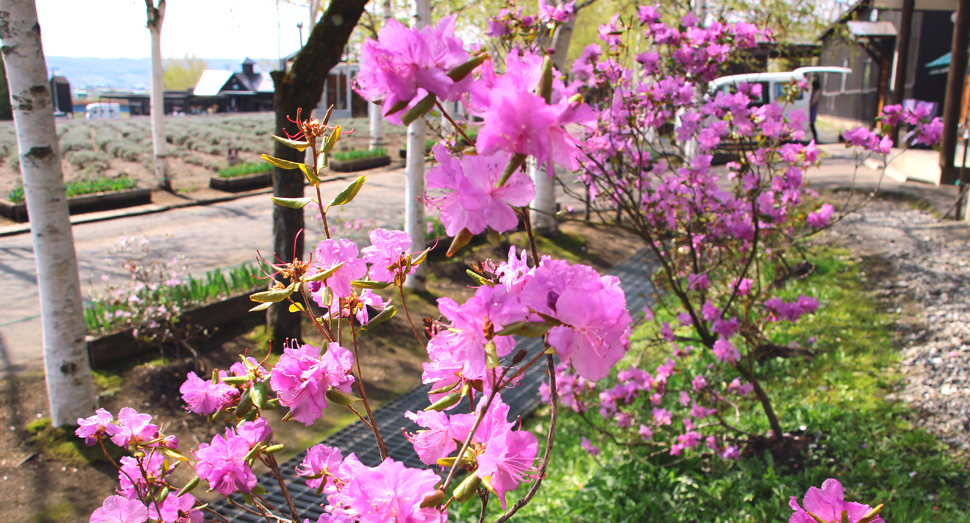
{"x": 117, "y": 509}
{"x": 739, "y": 389}
{"x": 368, "y": 298}
{"x": 134, "y": 428}
{"x": 389, "y": 492}
{"x": 470, "y": 198}
{"x": 96, "y": 427}
{"x": 698, "y": 383}
{"x": 404, "y": 60}
{"x": 820, "y": 218}
{"x": 135, "y": 475}
{"x": 591, "y": 449}
{"x": 929, "y": 133}
{"x": 320, "y": 463}
{"x": 176, "y": 509}
{"x": 661, "y": 416}
{"x": 645, "y": 432}
{"x": 828, "y": 504}
{"x": 255, "y": 432}
{"x": 725, "y": 351}
{"x": 698, "y": 282}
{"x": 329, "y": 254}
{"x": 434, "y": 443}
{"x": 302, "y": 378}
{"x": 385, "y": 251}
{"x": 205, "y": 397}
{"x": 223, "y": 464}
{"x": 726, "y": 328}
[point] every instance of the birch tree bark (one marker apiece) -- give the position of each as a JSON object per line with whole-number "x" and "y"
{"x": 414, "y": 221}
{"x": 69, "y": 387}
{"x": 156, "y": 14}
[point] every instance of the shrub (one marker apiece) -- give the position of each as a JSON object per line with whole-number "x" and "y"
{"x": 358, "y": 154}
{"x": 83, "y": 159}
{"x": 244, "y": 169}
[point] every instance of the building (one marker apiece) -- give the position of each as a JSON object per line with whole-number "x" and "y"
{"x": 61, "y": 92}
{"x": 228, "y": 91}
{"x": 865, "y": 40}
{"x": 339, "y": 91}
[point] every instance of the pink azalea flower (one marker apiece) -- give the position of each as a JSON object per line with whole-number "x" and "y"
{"x": 302, "y": 378}
{"x": 471, "y": 200}
{"x": 820, "y": 218}
{"x": 369, "y": 298}
{"x": 329, "y": 254}
{"x": 385, "y": 250}
{"x": 390, "y": 492}
{"x": 645, "y": 432}
{"x": 205, "y": 397}
{"x": 661, "y": 416}
{"x": 434, "y": 443}
{"x": 595, "y": 335}
{"x": 96, "y": 427}
{"x": 223, "y": 464}
{"x": 828, "y": 503}
{"x": 134, "y": 428}
{"x": 725, "y": 351}
{"x": 403, "y": 60}
{"x": 254, "y": 432}
{"x": 320, "y": 463}
{"x": 178, "y": 509}
{"x": 117, "y": 509}
{"x": 588, "y": 447}
{"x": 132, "y": 481}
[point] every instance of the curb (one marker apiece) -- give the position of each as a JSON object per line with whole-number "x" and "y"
{"x": 14, "y": 230}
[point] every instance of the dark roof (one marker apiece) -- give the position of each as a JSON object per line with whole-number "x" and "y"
{"x": 248, "y": 61}
{"x": 848, "y": 15}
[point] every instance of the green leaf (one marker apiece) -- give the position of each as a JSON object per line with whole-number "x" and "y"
{"x": 162, "y": 494}
{"x": 460, "y": 240}
{"x": 245, "y": 404}
{"x": 259, "y": 395}
{"x": 460, "y": 72}
{"x": 321, "y": 276}
{"x": 433, "y": 500}
{"x": 341, "y": 398}
{"x": 259, "y": 489}
{"x": 292, "y": 203}
{"x": 281, "y": 163}
{"x": 479, "y": 279}
{"x": 261, "y": 307}
{"x": 400, "y": 106}
{"x": 349, "y": 193}
{"x": 534, "y": 329}
{"x": 385, "y": 315}
{"x": 331, "y": 140}
{"x": 273, "y": 296}
{"x": 299, "y": 146}
{"x": 369, "y": 284}
{"x": 514, "y": 164}
{"x": 544, "y": 89}
{"x": 491, "y": 355}
{"x": 194, "y": 482}
{"x": 447, "y": 401}
{"x": 272, "y": 449}
{"x": 418, "y": 110}
{"x": 310, "y": 175}
{"x": 468, "y": 487}
{"x": 421, "y": 257}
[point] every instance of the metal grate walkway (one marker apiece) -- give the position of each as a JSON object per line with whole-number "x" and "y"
{"x": 357, "y": 438}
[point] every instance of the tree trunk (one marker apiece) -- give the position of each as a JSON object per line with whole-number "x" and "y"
{"x": 414, "y": 221}
{"x": 69, "y": 387}
{"x": 301, "y": 88}
{"x": 155, "y": 17}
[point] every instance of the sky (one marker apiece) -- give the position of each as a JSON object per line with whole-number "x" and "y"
{"x": 206, "y": 28}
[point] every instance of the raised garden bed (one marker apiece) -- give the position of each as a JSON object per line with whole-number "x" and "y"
{"x": 242, "y": 183}
{"x": 120, "y": 345}
{"x": 86, "y": 203}
{"x": 362, "y": 164}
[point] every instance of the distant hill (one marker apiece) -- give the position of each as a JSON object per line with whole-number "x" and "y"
{"x": 120, "y": 73}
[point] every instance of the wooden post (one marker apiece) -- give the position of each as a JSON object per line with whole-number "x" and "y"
{"x": 954, "y": 91}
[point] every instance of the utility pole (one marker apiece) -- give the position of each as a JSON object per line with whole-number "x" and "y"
{"x": 954, "y": 92}
{"x": 902, "y": 56}
{"x": 414, "y": 223}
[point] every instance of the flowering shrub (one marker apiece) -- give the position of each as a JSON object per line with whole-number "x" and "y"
{"x": 706, "y": 238}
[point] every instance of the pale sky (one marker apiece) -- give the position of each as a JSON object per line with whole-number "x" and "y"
{"x": 207, "y": 28}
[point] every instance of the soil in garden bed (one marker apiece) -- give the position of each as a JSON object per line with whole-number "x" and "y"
{"x": 60, "y": 484}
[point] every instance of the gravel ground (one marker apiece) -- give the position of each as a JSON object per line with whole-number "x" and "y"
{"x": 928, "y": 268}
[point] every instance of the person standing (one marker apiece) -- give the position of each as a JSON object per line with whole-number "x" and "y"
{"x": 813, "y": 106}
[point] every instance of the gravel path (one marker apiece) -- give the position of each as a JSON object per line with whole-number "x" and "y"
{"x": 929, "y": 263}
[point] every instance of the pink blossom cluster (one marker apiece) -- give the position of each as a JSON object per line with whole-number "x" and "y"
{"x": 790, "y": 311}
{"x": 828, "y": 504}
{"x": 304, "y": 375}
{"x": 924, "y": 130}
{"x": 503, "y": 458}
{"x": 206, "y": 397}
{"x": 356, "y": 492}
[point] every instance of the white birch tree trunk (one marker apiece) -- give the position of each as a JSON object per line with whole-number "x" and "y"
{"x": 414, "y": 221}
{"x": 69, "y": 387}
{"x": 156, "y": 16}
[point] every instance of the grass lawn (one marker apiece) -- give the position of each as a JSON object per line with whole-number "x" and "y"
{"x": 833, "y": 403}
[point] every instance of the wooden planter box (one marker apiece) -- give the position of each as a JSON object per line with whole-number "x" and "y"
{"x": 82, "y": 204}
{"x": 360, "y": 165}
{"x": 242, "y": 183}
{"x": 120, "y": 345}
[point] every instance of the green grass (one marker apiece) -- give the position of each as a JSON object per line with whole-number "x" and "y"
{"x": 244, "y": 169}
{"x": 358, "y": 154}
{"x": 82, "y": 187}
{"x": 212, "y": 286}
{"x": 64, "y": 446}
{"x": 859, "y": 438}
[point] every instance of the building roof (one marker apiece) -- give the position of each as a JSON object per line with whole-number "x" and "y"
{"x": 871, "y": 29}
{"x": 212, "y": 82}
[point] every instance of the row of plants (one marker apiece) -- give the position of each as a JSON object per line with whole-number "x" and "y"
{"x": 244, "y": 169}
{"x": 83, "y": 187}
{"x": 358, "y": 154}
{"x": 159, "y": 290}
